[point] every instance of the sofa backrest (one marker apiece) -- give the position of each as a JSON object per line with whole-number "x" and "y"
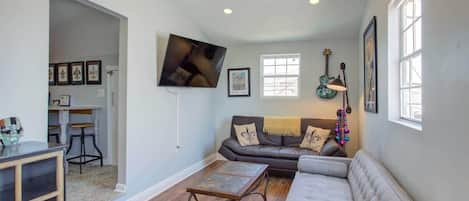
{"x": 266, "y": 139}
{"x": 370, "y": 181}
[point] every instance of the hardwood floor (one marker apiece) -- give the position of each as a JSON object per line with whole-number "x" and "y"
{"x": 277, "y": 191}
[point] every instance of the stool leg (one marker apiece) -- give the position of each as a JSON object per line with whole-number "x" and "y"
{"x": 69, "y": 146}
{"x": 48, "y": 137}
{"x": 57, "y": 139}
{"x": 97, "y": 149}
{"x": 82, "y": 149}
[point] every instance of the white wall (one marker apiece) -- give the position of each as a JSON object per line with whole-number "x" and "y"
{"x": 89, "y": 35}
{"x": 431, "y": 164}
{"x": 24, "y": 42}
{"x": 151, "y": 111}
{"x": 308, "y": 104}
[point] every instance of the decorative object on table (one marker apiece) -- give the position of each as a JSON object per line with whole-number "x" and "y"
{"x": 93, "y": 72}
{"x": 322, "y": 91}
{"x": 52, "y": 75}
{"x": 77, "y": 73}
{"x": 342, "y": 130}
{"x": 56, "y": 102}
{"x": 63, "y": 74}
{"x": 370, "y": 53}
{"x": 10, "y": 130}
{"x": 239, "y": 82}
{"x": 64, "y": 100}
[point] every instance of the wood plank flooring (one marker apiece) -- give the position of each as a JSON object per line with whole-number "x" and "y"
{"x": 277, "y": 191}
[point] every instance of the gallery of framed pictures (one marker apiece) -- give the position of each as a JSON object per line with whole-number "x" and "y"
{"x": 75, "y": 73}
{"x": 239, "y": 82}
{"x": 370, "y": 55}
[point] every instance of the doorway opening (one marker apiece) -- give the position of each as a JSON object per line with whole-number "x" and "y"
{"x": 87, "y": 76}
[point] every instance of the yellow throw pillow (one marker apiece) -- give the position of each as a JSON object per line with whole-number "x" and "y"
{"x": 246, "y": 134}
{"x": 315, "y": 138}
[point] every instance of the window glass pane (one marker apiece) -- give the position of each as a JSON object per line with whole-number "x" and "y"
{"x": 405, "y": 75}
{"x": 418, "y": 34}
{"x": 269, "y": 62}
{"x": 418, "y": 8}
{"x": 280, "y": 83}
{"x": 405, "y": 109}
{"x": 416, "y": 71}
{"x": 416, "y": 96}
{"x": 269, "y": 86}
{"x": 292, "y": 86}
{"x": 269, "y": 70}
{"x": 416, "y": 112}
{"x": 408, "y": 41}
{"x": 293, "y": 70}
{"x": 294, "y": 60}
{"x": 280, "y": 61}
{"x": 280, "y": 70}
{"x": 407, "y": 13}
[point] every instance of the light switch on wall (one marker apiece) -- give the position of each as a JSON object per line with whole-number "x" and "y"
{"x": 100, "y": 93}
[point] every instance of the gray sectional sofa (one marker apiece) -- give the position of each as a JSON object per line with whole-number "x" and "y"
{"x": 279, "y": 152}
{"x": 341, "y": 179}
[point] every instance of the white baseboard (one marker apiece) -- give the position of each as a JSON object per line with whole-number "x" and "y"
{"x": 120, "y": 188}
{"x": 164, "y": 185}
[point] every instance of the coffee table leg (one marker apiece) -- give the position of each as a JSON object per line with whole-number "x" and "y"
{"x": 192, "y": 195}
{"x": 267, "y": 179}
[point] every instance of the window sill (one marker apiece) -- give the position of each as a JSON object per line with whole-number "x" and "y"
{"x": 413, "y": 125}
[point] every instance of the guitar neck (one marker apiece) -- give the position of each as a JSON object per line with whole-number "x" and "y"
{"x": 327, "y": 65}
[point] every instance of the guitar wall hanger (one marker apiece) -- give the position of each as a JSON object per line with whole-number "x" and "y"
{"x": 322, "y": 91}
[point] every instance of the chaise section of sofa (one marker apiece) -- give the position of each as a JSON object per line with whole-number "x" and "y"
{"x": 280, "y": 152}
{"x": 362, "y": 178}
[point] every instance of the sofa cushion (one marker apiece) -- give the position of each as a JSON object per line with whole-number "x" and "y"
{"x": 267, "y": 151}
{"x": 314, "y": 187}
{"x": 246, "y": 134}
{"x": 264, "y": 139}
{"x": 370, "y": 181}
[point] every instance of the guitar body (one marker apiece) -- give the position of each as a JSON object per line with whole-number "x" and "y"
{"x": 322, "y": 91}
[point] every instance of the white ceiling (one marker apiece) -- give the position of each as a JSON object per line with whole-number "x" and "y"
{"x": 275, "y": 20}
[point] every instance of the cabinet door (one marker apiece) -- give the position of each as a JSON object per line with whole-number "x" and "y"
{"x": 7, "y": 184}
{"x": 39, "y": 178}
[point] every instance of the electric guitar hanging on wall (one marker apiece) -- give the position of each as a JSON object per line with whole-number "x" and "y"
{"x": 322, "y": 91}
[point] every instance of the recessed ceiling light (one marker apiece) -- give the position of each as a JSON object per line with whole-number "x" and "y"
{"x": 227, "y": 11}
{"x": 313, "y": 2}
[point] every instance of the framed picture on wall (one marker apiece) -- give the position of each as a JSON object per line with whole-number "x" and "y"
{"x": 52, "y": 75}
{"x": 63, "y": 75}
{"x": 77, "y": 70}
{"x": 370, "y": 54}
{"x": 239, "y": 82}
{"x": 93, "y": 72}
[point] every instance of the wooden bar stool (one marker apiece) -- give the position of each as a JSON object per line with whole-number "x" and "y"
{"x": 50, "y": 133}
{"x": 83, "y": 155}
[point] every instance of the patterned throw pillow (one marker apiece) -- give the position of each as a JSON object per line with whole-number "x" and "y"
{"x": 315, "y": 138}
{"x": 246, "y": 134}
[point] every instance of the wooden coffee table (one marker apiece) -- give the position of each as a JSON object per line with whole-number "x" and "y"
{"x": 233, "y": 181}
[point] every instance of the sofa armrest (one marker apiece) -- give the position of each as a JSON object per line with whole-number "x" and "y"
{"x": 332, "y": 148}
{"x": 329, "y": 166}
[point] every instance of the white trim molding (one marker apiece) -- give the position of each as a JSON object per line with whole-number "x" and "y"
{"x": 169, "y": 182}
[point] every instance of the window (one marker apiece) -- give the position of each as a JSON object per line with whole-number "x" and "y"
{"x": 280, "y": 75}
{"x": 410, "y": 60}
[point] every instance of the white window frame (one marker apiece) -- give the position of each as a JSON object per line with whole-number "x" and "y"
{"x": 261, "y": 75}
{"x": 407, "y": 58}
{"x": 394, "y": 62}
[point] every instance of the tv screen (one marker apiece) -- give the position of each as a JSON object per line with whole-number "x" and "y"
{"x": 191, "y": 63}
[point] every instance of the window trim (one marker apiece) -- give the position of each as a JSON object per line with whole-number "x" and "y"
{"x": 261, "y": 75}
{"x": 406, "y": 58}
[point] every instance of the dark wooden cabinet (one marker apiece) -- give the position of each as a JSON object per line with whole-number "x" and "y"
{"x": 32, "y": 171}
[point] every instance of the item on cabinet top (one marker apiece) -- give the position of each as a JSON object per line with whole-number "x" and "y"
{"x": 64, "y": 100}
{"x": 10, "y": 130}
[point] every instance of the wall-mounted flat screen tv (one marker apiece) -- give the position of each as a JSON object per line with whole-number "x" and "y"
{"x": 191, "y": 63}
